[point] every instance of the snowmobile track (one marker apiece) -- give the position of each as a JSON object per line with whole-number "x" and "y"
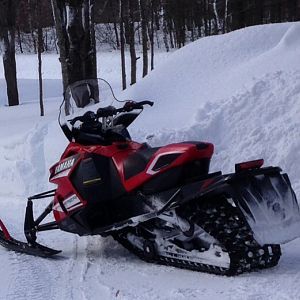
{"x": 224, "y": 222}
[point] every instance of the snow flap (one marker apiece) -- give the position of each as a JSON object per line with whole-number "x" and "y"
{"x": 270, "y": 207}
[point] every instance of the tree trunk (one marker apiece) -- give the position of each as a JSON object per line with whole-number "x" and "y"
{"x": 225, "y": 26}
{"x": 88, "y": 49}
{"x": 20, "y": 40}
{"x": 55, "y": 40}
{"x": 58, "y": 15}
{"x": 132, "y": 43}
{"x": 40, "y": 50}
{"x": 117, "y": 35}
{"x": 76, "y": 39}
{"x": 205, "y": 17}
{"x": 152, "y": 34}
{"x": 144, "y": 17}
{"x": 31, "y": 27}
{"x": 165, "y": 33}
{"x": 217, "y": 18}
{"x": 258, "y": 16}
{"x": 122, "y": 40}
{"x": 172, "y": 42}
{"x": 7, "y": 35}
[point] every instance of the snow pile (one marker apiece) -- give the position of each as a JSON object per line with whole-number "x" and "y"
{"x": 216, "y": 68}
{"x": 260, "y": 122}
{"x": 240, "y": 91}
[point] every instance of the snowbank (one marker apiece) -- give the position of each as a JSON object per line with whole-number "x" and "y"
{"x": 215, "y": 68}
{"x": 240, "y": 91}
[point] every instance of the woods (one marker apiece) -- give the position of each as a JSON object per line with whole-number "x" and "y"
{"x": 77, "y": 29}
{"x": 178, "y": 21}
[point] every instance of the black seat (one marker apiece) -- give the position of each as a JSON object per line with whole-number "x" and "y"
{"x": 137, "y": 162}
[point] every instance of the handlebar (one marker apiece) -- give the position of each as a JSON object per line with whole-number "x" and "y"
{"x": 88, "y": 117}
{"x": 128, "y": 106}
{"x": 110, "y": 111}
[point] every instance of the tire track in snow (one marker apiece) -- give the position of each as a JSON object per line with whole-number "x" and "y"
{"x": 83, "y": 280}
{"x": 93, "y": 267}
{"x": 71, "y": 271}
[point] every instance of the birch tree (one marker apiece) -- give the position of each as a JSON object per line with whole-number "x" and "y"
{"x": 76, "y": 39}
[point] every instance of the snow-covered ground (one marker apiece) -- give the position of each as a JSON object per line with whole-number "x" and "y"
{"x": 240, "y": 91}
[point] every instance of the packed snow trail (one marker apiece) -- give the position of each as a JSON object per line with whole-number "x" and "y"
{"x": 240, "y": 91}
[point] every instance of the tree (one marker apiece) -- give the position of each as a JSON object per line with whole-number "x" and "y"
{"x": 40, "y": 48}
{"x": 61, "y": 43}
{"x": 35, "y": 16}
{"x": 122, "y": 39}
{"x": 7, "y": 37}
{"x": 144, "y": 21}
{"x": 76, "y": 39}
{"x": 151, "y": 33}
{"x": 131, "y": 35}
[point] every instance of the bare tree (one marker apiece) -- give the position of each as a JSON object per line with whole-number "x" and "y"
{"x": 144, "y": 21}
{"x": 122, "y": 40}
{"x": 40, "y": 48}
{"x": 20, "y": 40}
{"x": 35, "y": 23}
{"x": 217, "y": 18}
{"x": 31, "y": 7}
{"x": 7, "y": 37}
{"x": 151, "y": 34}
{"x": 58, "y": 15}
{"x": 131, "y": 34}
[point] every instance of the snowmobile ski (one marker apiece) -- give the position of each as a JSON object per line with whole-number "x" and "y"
{"x": 34, "y": 249}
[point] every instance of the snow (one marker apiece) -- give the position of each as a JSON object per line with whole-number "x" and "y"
{"x": 240, "y": 91}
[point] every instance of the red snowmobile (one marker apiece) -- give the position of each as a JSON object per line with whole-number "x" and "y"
{"x": 161, "y": 203}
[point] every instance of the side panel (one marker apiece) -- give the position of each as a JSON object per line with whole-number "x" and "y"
{"x": 88, "y": 182}
{"x": 66, "y": 199}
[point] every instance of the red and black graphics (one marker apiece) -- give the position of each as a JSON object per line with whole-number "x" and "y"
{"x": 92, "y": 176}
{"x": 158, "y": 161}
{"x": 66, "y": 199}
{"x": 83, "y": 176}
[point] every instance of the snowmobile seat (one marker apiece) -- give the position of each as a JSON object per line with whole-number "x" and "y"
{"x": 195, "y": 169}
{"x": 138, "y": 161}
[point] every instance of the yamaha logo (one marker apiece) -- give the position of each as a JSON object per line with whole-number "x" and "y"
{"x": 64, "y": 165}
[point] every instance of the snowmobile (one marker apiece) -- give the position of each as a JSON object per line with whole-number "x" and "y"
{"x": 160, "y": 203}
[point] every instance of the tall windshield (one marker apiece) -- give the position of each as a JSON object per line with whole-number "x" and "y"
{"x": 83, "y": 96}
